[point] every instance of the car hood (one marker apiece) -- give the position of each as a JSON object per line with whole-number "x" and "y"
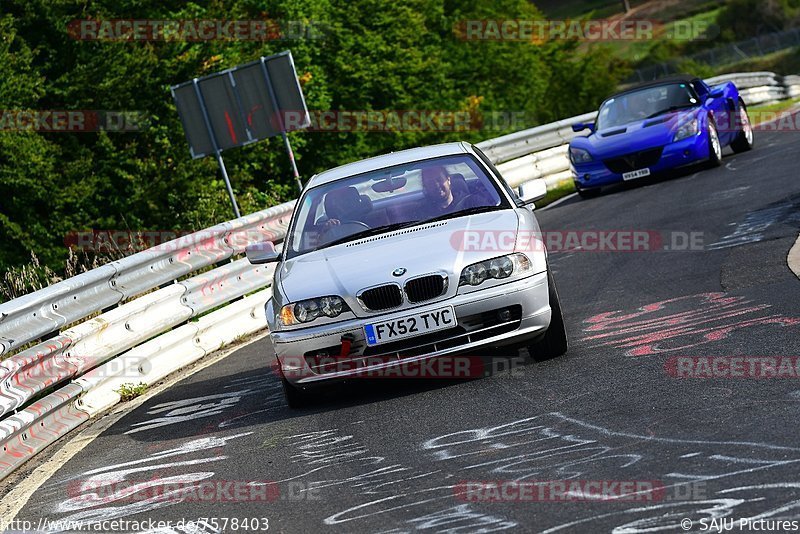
{"x": 348, "y": 268}
{"x": 634, "y": 136}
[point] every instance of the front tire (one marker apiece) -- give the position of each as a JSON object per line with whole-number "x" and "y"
{"x": 714, "y": 144}
{"x": 743, "y": 141}
{"x": 295, "y": 398}
{"x": 554, "y": 342}
{"x": 588, "y": 193}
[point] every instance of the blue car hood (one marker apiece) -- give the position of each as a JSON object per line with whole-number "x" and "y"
{"x": 634, "y": 136}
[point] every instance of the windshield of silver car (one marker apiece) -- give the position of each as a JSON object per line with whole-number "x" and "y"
{"x": 392, "y": 198}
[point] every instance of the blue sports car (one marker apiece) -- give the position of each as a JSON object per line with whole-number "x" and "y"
{"x": 658, "y": 126}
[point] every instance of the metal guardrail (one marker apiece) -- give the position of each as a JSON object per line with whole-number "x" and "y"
{"x": 522, "y": 143}
{"x": 792, "y": 84}
{"x": 151, "y": 321}
{"x": 92, "y": 353}
{"x": 38, "y": 314}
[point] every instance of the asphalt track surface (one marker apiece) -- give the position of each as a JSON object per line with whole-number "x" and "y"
{"x": 391, "y": 455}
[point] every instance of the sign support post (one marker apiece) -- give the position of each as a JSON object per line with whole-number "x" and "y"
{"x": 217, "y": 151}
{"x": 286, "y": 142}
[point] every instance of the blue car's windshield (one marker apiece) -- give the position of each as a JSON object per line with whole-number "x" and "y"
{"x": 644, "y": 103}
{"x": 387, "y": 199}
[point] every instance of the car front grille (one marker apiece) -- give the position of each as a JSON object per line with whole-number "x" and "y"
{"x": 425, "y": 288}
{"x": 382, "y": 297}
{"x": 634, "y": 161}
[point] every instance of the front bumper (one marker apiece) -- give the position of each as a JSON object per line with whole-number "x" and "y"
{"x": 312, "y": 355}
{"x": 675, "y": 155}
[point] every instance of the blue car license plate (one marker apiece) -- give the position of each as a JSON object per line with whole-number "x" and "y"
{"x": 636, "y": 174}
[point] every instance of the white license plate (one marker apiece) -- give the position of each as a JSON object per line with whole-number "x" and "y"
{"x": 410, "y": 326}
{"x": 636, "y": 174}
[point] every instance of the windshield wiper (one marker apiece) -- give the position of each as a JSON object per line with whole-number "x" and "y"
{"x": 669, "y": 110}
{"x": 468, "y": 211}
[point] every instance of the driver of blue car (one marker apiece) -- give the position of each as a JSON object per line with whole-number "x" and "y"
{"x": 639, "y": 105}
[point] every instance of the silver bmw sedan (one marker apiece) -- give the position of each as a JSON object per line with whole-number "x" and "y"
{"x": 405, "y": 259}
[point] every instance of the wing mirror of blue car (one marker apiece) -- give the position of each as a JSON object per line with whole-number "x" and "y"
{"x": 532, "y": 191}
{"x": 262, "y": 253}
{"x": 581, "y": 126}
{"x": 717, "y": 93}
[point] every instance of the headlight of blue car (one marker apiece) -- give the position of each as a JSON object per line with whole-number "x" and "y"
{"x": 579, "y": 155}
{"x": 687, "y": 129}
{"x": 306, "y": 311}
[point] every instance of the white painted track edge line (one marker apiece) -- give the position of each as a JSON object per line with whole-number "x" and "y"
{"x": 793, "y": 259}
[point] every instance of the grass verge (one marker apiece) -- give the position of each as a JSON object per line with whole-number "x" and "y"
{"x": 562, "y": 189}
{"x": 775, "y": 107}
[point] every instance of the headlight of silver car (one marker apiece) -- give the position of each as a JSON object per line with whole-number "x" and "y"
{"x": 306, "y": 311}
{"x": 687, "y": 129}
{"x": 494, "y": 269}
{"x": 579, "y": 155}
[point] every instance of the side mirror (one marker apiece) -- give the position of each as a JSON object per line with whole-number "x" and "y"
{"x": 262, "y": 253}
{"x": 532, "y": 191}
{"x": 717, "y": 93}
{"x": 581, "y": 126}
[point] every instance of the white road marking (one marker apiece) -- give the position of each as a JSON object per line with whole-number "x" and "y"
{"x": 794, "y": 258}
{"x": 557, "y": 202}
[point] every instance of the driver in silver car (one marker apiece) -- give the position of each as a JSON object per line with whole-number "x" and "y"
{"x": 445, "y": 193}
{"x": 438, "y": 188}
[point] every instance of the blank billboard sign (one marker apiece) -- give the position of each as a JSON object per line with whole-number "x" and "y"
{"x": 241, "y": 105}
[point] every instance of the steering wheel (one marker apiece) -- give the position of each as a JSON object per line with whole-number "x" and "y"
{"x": 472, "y": 200}
{"x": 343, "y": 229}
